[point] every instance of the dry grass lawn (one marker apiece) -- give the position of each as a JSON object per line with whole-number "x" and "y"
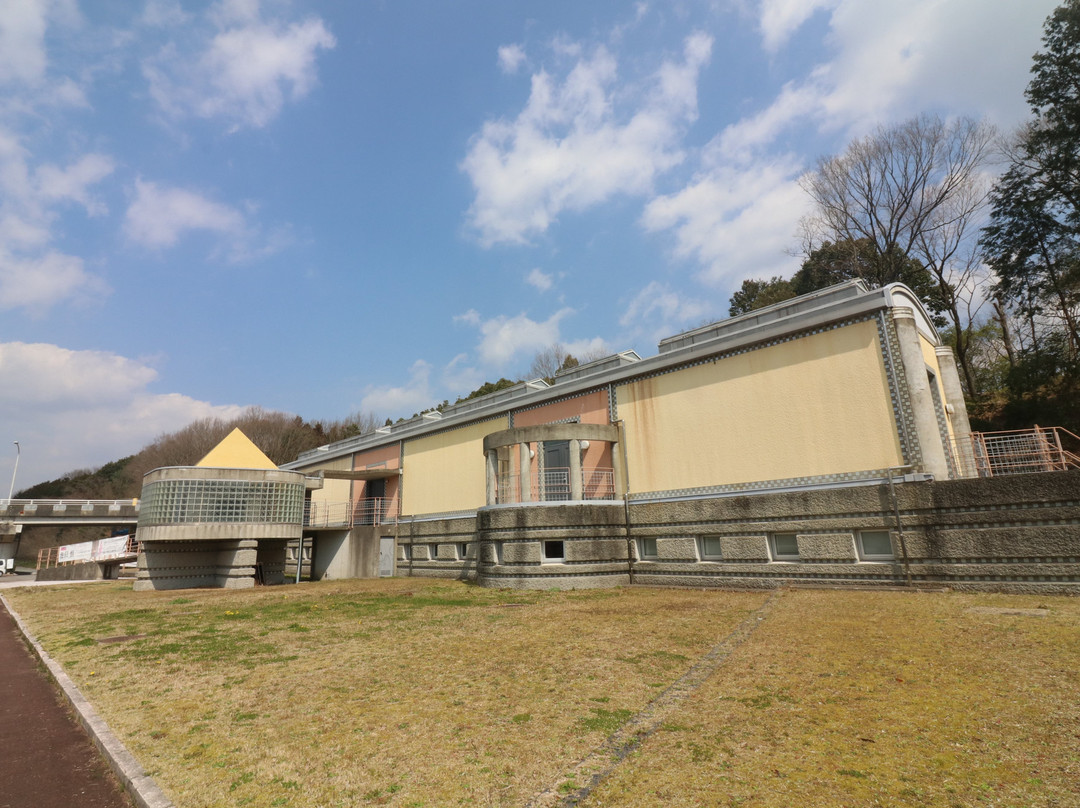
{"x": 411, "y": 692}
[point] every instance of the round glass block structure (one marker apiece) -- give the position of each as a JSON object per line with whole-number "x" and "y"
{"x": 182, "y": 500}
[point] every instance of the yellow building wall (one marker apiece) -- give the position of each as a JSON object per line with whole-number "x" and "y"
{"x": 446, "y": 471}
{"x": 812, "y": 406}
{"x": 333, "y": 490}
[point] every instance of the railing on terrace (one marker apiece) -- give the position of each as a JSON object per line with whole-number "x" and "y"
{"x": 553, "y": 485}
{"x": 1018, "y": 451}
{"x": 371, "y": 511}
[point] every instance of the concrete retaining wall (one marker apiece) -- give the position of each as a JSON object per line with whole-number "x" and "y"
{"x": 1018, "y": 533}
{"x": 80, "y": 571}
{"x": 438, "y": 548}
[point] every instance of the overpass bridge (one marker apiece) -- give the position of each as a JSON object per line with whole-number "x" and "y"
{"x": 59, "y": 512}
{"x": 15, "y": 514}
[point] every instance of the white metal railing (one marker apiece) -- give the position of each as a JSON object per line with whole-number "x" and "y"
{"x": 1018, "y": 451}
{"x": 553, "y": 485}
{"x": 375, "y": 511}
{"x": 369, "y": 511}
{"x": 598, "y": 484}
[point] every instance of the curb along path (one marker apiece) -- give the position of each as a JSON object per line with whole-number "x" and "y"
{"x": 49, "y": 762}
{"x": 603, "y": 760}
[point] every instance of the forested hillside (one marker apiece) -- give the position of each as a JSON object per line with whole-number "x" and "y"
{"x": 282, "y": 437}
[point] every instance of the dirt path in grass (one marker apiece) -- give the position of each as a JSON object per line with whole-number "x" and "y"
{"x": 48, "y": 760}
{"x": 605, "y": 758}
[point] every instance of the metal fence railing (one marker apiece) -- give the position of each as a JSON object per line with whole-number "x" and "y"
{"x": 1018, "y": 451}
{"x": 370, "y": 511}
{"x": 553, "y": 485}
{"x": 598, "y": 484}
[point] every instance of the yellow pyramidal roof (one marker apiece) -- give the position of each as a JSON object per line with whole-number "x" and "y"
{"x": 237, "y": 451}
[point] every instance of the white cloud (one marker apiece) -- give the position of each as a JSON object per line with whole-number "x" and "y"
{"x": 37, "y": 283}
{"x": 163, "y": 13}
{"x": 504, "y": 339}
{"x": 779, "y": 19}
{"x": 414, "y": 396}
{"x": 573, "y": 146}
{"x": 597, "y": 346}
{"x": 511, "y": 58}
{"x": 657, "y": 312}
{"x": 460, "y": 377}
{"x": 158, "y": 217}
{"x": 245, "y": 72}
{"x": 736, "y": 221}
{"x": 33, "y": 273}
{"x": 892, "y": 60}
{"x": 540, "y": 279}
{"x": 76, "y": 409}
{"x": 888, "y": 61}
{"x": 471, "y": 317}
{"x": 22, "y": 41}
{"x": 73, "y": 183}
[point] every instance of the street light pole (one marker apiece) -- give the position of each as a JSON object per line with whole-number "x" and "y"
{"x": 18, "y": 454}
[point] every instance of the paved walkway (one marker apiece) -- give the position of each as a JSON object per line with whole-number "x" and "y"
{"x": 46, "y": 757}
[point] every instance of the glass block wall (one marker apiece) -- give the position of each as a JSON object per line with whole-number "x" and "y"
{"x": 172, "y": 502}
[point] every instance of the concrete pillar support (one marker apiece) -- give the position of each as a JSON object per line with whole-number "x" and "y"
{"x": 617, "y": 468}
{"x": 491, "y": 471}
{"x": 525, "y": 478}
{"x": 923, "y": 413}
{"x": 956, "y": 409}
{"x": 575, "y": 469}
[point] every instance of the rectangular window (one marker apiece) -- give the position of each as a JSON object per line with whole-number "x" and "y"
{"x": 433, "y": 552}
{"x": 647, "y": 549}
{"x": 875, "y": 545}
{"x": 709, "y": 548}
{"x": 784, "y": 547}
{"x": 463, "y": 551}
{"x": 553, "y": 552}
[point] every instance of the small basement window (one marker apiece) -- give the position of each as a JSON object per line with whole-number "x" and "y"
{"x": 875, "y": 545}
{"x": 709, "y": 548}
{"x": 647, "y": 549}
{"x": 784, "y": 547}
{"x": 553, "y": 551}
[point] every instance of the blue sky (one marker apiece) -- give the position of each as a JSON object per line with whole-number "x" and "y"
{"x": 341, "y": 206}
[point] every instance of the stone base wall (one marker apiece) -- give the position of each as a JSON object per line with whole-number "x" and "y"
{"x": 1019, "y": 534}
{"x": 573, "y": 546}
{"x": 270, "y": 560}
{"x": 438, "y": 548}
{"x": 225, "y": 564}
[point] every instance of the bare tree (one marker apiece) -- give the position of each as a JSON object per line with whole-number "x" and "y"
{"x": 549, "y": 361}
{"x": 556, "y": 357}
{"x": 914, "y": 190}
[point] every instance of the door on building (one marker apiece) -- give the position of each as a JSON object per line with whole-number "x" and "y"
{"x": 371, "y": 508}
{"x": 386, "y": 556}
{"x": 555, "y": 484}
